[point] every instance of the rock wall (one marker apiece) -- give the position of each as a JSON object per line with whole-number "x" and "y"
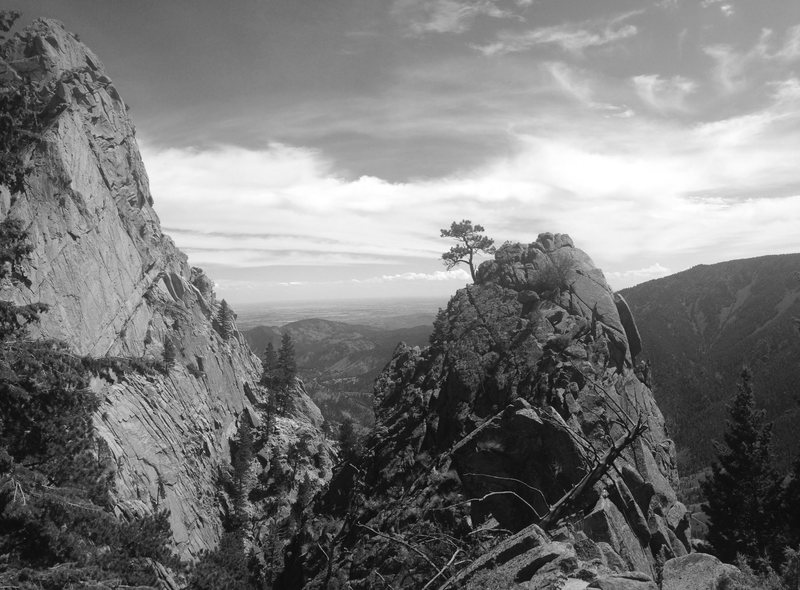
{"x": 118, "y": 287}
{"x": 526, "y": 385}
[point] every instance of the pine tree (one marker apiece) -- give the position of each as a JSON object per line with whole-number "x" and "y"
{"x": 55, "y": 475}
{"x": 224, "y": 320}
{"x": 269, "y": 365}
{"x": 790, "y": 506}
{"x": 242, "y": 455}
{"x": 287, "y": 366}
{"x": 21, "y": 109}
{"x": 742, "y": 490}
{"x": 349, "y": 443}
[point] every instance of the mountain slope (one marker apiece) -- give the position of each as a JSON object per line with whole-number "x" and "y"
{"x": 701, "y": 325}
{"x": 117, "y": 287}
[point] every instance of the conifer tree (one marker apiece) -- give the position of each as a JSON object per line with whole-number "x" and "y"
{"x": 741, "y": 492}
{"x": 54, "y": 476}
{"x": 287, "y": 365}
{"x": 21, "y": 108}
{"x": 242, "y": 455}
{"x": 790, "y": 506}
{"x": 470, "y": 242}
{"x": 269, "y": 365}
{"x": 349, "y": 443}
{"x": 224, "y": 320}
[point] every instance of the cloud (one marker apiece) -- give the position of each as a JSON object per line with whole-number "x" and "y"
{"x": 664, "y": 94}
{"x": 446, "y": 16}
{"x": 726, "y": 8}
{"x": 736, "y": 70}
{"x": 627, "y": 278}
{"x": 628, "y": 190}
{"x": 571, "y": 37}
{"x": 581, "y": 85}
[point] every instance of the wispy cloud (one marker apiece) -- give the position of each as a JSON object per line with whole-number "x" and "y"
{"x": 447, "y": 16}
{"x": 664, "y": 94}
{"x": 581, "y": 86}
{"x": 736, "y": 69}
{"x": 574, "y": 38}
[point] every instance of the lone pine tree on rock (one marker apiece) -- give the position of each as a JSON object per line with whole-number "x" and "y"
{"x": 470, "y": 242}
{"x": 742, "y": 490}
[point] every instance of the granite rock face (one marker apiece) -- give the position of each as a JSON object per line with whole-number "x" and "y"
{"x": 526, "y": 385}
{"x": 118, "y": 287}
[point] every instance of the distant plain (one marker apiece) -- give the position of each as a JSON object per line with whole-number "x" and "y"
{"x": 387, "y": 313}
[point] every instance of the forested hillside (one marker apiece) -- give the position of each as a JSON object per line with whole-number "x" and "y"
{"x": 699, "y": 327}
{"x": 339, "y": 362}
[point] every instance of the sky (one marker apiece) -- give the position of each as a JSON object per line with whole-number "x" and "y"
{"x": 313, "y": 149}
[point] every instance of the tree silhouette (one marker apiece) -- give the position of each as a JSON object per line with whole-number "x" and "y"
{"x": 742, "y": 490}
{"x": 287, "y": 366}
{"x": 349, "y": 442}
{"x": 470, "y": 241}
{"x": 242, "y": 455}
{"x": 269, "y": 365}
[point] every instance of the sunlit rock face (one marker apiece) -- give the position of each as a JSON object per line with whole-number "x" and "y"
{"x": 527, "y": 383}
{"x": 118, "y": 287}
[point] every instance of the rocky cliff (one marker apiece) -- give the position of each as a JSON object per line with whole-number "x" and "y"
{"x": 117, "y": 287}
{"x": 518, "y": 448}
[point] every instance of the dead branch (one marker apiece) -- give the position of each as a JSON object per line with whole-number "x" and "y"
{"x": 387, "y": 584}
{"x": 490, "y": 494}
{"x": 588, "y": 480}
{"x": 474, "y": 433}
{"x": 441, "y": 571}
{"x": 530, "y": 487}
{"x": 401, "y": 542}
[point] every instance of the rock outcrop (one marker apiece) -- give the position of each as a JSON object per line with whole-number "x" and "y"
{"x": 525, "y": 389}
{"x": 700, "y": 571}
{"x": 117, "y": 287}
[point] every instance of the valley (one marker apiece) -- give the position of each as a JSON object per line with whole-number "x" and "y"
{"x": 339, "y": 362}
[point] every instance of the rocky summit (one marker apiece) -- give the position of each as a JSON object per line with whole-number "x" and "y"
{"x": 118, "y": 288}
{"x": 519, "y": 448}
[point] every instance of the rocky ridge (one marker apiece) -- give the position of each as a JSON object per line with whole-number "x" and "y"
{"x": 526, "y": 388}
{"x": 118, "y": 288}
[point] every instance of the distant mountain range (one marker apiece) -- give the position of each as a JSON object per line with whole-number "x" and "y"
{"x": 339, "y": 361}
{"x": 700, "y": 326}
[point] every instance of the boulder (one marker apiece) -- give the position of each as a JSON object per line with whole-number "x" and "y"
{"x": 699, "y": 571}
